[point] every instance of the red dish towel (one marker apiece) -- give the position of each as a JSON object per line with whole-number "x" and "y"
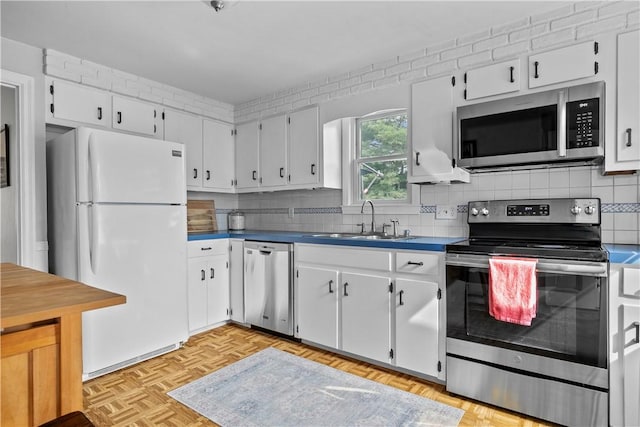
{"x": 513, "y": 289}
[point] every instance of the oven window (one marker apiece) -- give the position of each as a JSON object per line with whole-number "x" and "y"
{"x": 570, "y": 323}
{"x": 523, "y": 131}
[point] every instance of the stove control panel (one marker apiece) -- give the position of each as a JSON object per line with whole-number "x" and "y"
{"x": 562, "y": 211}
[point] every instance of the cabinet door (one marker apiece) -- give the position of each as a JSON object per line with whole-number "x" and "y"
{"x": 628, "y": 126}
{"x": 79, "y": 103}
{"x": 247, "y": 156}
{"x": 417, "y": 326}
{"x": 303, "y": 147}
{"x": 631, "y": 364}
{"x": 317, "y": 305}
{"x": 236, "y": 280}
{"x": 197, "y": 292}
{"x": 218, "y": 159}
{"x": 186, "y": 129}
{"x": 134, "y": 116}
{"x": 365, "y": 315}
{"x": 431, "y": 126}
{"x": 561, "y": 65}
{"x": 493, "y": 79}
{"x": 218, "y": 289}
{"x": 273, "y": 152}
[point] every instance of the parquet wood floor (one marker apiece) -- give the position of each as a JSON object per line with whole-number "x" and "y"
{"x": 136, "y": 396}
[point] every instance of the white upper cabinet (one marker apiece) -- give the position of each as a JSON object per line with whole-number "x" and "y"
{"x": 431, "y": 141}
{"x": 628, "y": 118}
{"x": 136, "y": 116}
{"x": 187, "y": 129}
{"x": 218, "y": 171}
{"x": 247, "y": 137}
{"x": 303, "y": 147}
{"x": 561, "y": 65}
{"x": 77, "y": 103}
{"x": 493, "y": 79}
{"x": 273, "y": 152}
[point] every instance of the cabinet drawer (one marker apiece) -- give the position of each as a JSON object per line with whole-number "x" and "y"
{"x": 344, "y": 257}
{"x": 417, "y": 263}
{"x": 199, "y": 248}
{"x": 631, "y": 282}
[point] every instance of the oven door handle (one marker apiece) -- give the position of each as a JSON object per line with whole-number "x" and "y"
{"x": 595, "y": 269}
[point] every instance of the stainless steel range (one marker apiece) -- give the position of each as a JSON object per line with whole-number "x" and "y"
{"x": 556, "y": 368}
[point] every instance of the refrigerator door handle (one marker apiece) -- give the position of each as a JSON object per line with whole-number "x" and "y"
{"x": 93, "y": 238}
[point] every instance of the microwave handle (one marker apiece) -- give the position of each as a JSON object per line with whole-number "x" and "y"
{"x": 562, "y": 123}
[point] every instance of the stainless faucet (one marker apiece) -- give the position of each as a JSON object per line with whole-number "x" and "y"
{"x": 373, "y": 214}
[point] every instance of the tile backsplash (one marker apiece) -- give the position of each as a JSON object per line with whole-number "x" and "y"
{"x": 321, "y": 210}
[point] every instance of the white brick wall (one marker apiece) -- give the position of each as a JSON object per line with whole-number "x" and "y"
{"x": 558, "y": 27}
{"x": 67, "y": 67}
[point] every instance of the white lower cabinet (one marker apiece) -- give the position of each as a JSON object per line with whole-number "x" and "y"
{"x": 236, "y": 280}
{"x": 317, "y": 305}
{"x": 417, "y": 325}
{"x": 624, "y": 357}
{"x": 365, "y": 315}
{"x": 208, "y": 283}
{"x": 379, "y": 304}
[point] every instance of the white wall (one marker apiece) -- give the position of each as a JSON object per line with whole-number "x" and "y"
{"x": 8, "y": 195}
{"x": 349, "y": 93}
{"x": 27, "y": 60}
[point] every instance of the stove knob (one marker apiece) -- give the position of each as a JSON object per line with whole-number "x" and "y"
{"x": 485, "y": 211}
{"x": 576, "y": 210}
{"x": 589, "y": 210}
{"x": 474, "y": 211}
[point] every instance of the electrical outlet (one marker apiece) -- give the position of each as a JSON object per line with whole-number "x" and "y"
{"x": 446, "y": 212}
{"x": 290, "y": 212}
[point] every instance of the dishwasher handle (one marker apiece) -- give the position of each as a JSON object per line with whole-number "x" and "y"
{"x": 266, "y": 251}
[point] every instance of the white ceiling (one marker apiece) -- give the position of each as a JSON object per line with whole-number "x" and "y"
{"x": 250, "y": 48}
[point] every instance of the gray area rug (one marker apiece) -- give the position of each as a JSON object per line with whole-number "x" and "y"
{"x": 275, "y": 388}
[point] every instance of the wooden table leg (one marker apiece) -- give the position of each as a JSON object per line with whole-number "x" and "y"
{"x": 71, "y": 363}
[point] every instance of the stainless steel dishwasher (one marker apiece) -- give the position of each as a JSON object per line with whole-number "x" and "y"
{"x": 268, "y": 290}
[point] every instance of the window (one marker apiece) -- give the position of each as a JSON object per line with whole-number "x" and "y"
{"x": 380, "y": 163}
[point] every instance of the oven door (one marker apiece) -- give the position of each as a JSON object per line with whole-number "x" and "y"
{"x": 571, "y": 318}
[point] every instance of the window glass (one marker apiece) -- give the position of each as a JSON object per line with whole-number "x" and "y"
{"x": 381, "y": 158}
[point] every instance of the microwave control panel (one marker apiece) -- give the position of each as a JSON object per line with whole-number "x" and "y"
{"x": 583, "y": 123}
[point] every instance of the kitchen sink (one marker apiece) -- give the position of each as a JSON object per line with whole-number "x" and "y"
{"x": 358, "y": 236}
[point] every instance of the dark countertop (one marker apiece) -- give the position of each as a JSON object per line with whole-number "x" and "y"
{"x": 623, "y": 254}
{"x": 618, "y": 253}
{"x": 420, "y": 243}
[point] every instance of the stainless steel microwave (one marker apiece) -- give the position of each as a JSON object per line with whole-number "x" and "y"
{"x": 562, "y": 125}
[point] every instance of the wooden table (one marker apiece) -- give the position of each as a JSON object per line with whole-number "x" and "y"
{"x": 41, "y": 343}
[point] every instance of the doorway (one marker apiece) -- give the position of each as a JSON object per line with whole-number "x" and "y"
{"x": 21, "y": 244}
{"x": 8, "y": 169}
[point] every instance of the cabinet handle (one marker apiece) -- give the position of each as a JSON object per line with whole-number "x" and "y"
{"x": 208, "y": 248}
{"x": 511, "y": 75}
{"x": 119, "y": 117}
{"x": 330, "y": 288}
{"x": 154, "y": 128}
{"x": 637, "y": 326}
{"x": 281, "y": 172}
{"x": 313, "y": 168}
{"x": 420, "y": 263}
{"x": 345, "y": 289}
{"x": 208, "y": 175}
{"x": 253, "y": 175}
{"x": 628, "y": 132}
{"x": 202, "y": 276}
{"x": 417, "y": 158}
{"x": 401, "y": 293}
{"x": 535, "y": 70}
{"x": 99, "y": 113}
{"x": 195, "y": 173}
{"x": 213, "y": 273}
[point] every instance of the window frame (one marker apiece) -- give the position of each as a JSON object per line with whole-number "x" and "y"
{"x": 351, "y": 173}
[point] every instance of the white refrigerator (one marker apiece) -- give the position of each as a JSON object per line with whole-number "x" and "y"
{"x": 117, "y": 221}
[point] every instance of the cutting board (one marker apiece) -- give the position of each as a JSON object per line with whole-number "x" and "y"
{"x": 201, "y": 216}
